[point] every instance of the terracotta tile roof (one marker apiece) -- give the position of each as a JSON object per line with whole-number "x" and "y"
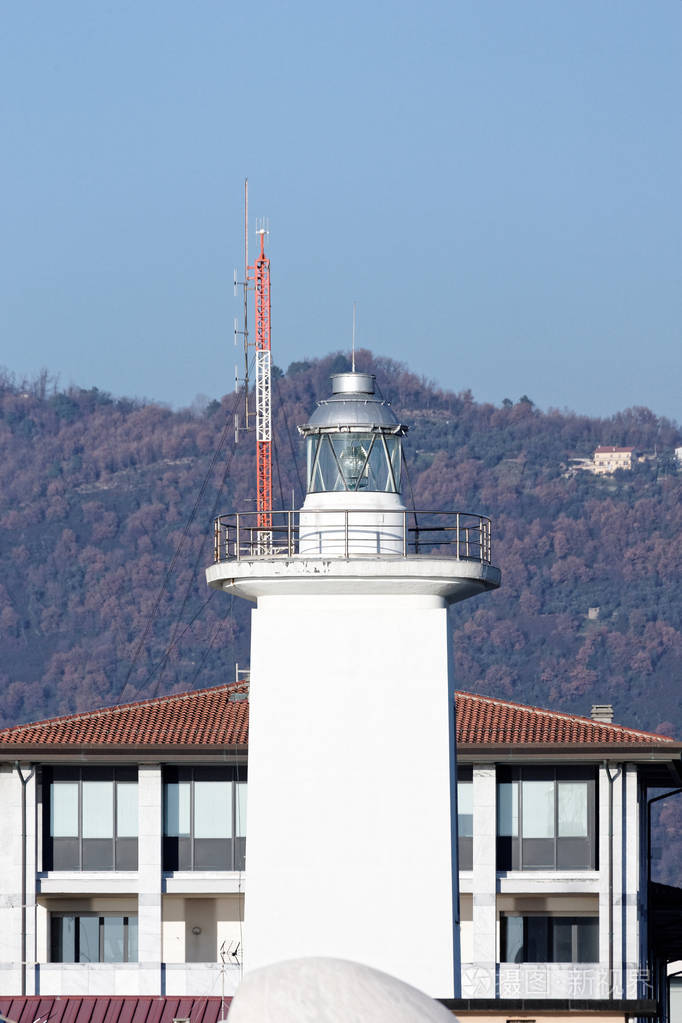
{"x": 106, "y": 1009}
{"x": 214, "y": 717}
{"x": 482, "y": 720}
{"x": 218, "y": 717}
{"x": 611, "y": 450}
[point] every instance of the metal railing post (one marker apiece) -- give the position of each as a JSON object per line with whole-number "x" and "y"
{"x": 234, "y": 538}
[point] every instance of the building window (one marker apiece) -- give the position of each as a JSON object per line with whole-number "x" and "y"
{"x": 204, "y": 818}
{"x": 549, "y": 939}
{"x": 546, "y": 818}
{"x": 93, "y": 938}
{"x": 465, "y": 817}
{"x": 90, "y": 818}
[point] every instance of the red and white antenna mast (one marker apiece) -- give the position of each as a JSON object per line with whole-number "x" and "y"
{"x": 260, "y": 275}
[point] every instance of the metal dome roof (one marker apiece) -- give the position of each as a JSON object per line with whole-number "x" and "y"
{"x": 353, "y": 404}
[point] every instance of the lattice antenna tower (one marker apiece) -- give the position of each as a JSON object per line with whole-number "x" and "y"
{"x": 259, "y": 273}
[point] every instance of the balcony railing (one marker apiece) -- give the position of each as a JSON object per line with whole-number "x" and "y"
{"x": 358, "y": 533}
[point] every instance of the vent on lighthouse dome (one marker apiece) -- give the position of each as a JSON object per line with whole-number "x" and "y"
{"x": 353, "y": 383}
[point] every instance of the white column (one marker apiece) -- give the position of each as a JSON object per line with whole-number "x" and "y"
{"x": 643, "y": 891}
{"x": 150, "y": 876}
{"x": 610, "y": 883}
{"x": 349, "y": 849}
{"x": 631, "y": 848}
{"x": 618, "y": 858}
{"x": 31, "y": 881}
{"x": 479, "y": 980}
{"x": 10, "y": 882}
{"x": 603, "y": 795}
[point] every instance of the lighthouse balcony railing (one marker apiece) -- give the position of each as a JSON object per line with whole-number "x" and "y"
{"x": 362, "y": 533}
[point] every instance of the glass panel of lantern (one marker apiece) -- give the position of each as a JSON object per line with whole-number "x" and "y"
{"x": 326, "y": 475}
{"x": 394, "y": 449}
{"x": 351, "y": 451}
{"x": 379, "y": 470}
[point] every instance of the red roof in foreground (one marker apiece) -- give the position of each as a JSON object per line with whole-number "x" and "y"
{"x": 103, "y": 1009}
{"x": 203, "y": 717}
{"x": 482, "y": 720}
{"x": 218, "y": 717}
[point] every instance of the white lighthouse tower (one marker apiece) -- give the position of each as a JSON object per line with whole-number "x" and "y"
{"x": 352, "y": 848}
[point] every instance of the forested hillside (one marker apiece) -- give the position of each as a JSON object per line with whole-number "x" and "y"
{"x": 106, "y": 508}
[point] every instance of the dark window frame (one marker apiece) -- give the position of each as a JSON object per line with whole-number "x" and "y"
{"x": 77, "y": 915}
{"x": 79, "y": 853}
{"x": 557, "y": 852}
{"x": 465, "y": 843}
{"x": 575, "y": 921}
{"x": 188, "y": 853}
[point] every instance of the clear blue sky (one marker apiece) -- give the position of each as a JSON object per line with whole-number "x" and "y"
{"x": 495, "y": 182}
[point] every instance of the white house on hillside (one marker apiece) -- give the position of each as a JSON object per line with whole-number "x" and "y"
{"x": 608, "y": 459}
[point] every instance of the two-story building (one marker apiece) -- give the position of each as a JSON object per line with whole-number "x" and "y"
{"x": 123, "y": 860}
{"x": 608, "y": 459}
{"x": 125, "y": 841}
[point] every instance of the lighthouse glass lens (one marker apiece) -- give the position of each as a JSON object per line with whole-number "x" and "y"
{"x": 353, "y": 461}
{"x": 351, "y": 451}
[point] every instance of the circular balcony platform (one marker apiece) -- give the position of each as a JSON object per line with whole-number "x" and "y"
{"x": 442, "y": 555}
{"x": 448, "y": 579}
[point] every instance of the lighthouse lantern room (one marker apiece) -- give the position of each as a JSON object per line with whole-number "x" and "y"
{"x": 354, "y": 462}
{"x": 352, "y": 827}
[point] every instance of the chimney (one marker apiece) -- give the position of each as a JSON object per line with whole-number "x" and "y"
{"x": 602, "y": 712}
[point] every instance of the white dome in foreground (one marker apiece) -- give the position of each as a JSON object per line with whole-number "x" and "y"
{"x": 318, "y": 990}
